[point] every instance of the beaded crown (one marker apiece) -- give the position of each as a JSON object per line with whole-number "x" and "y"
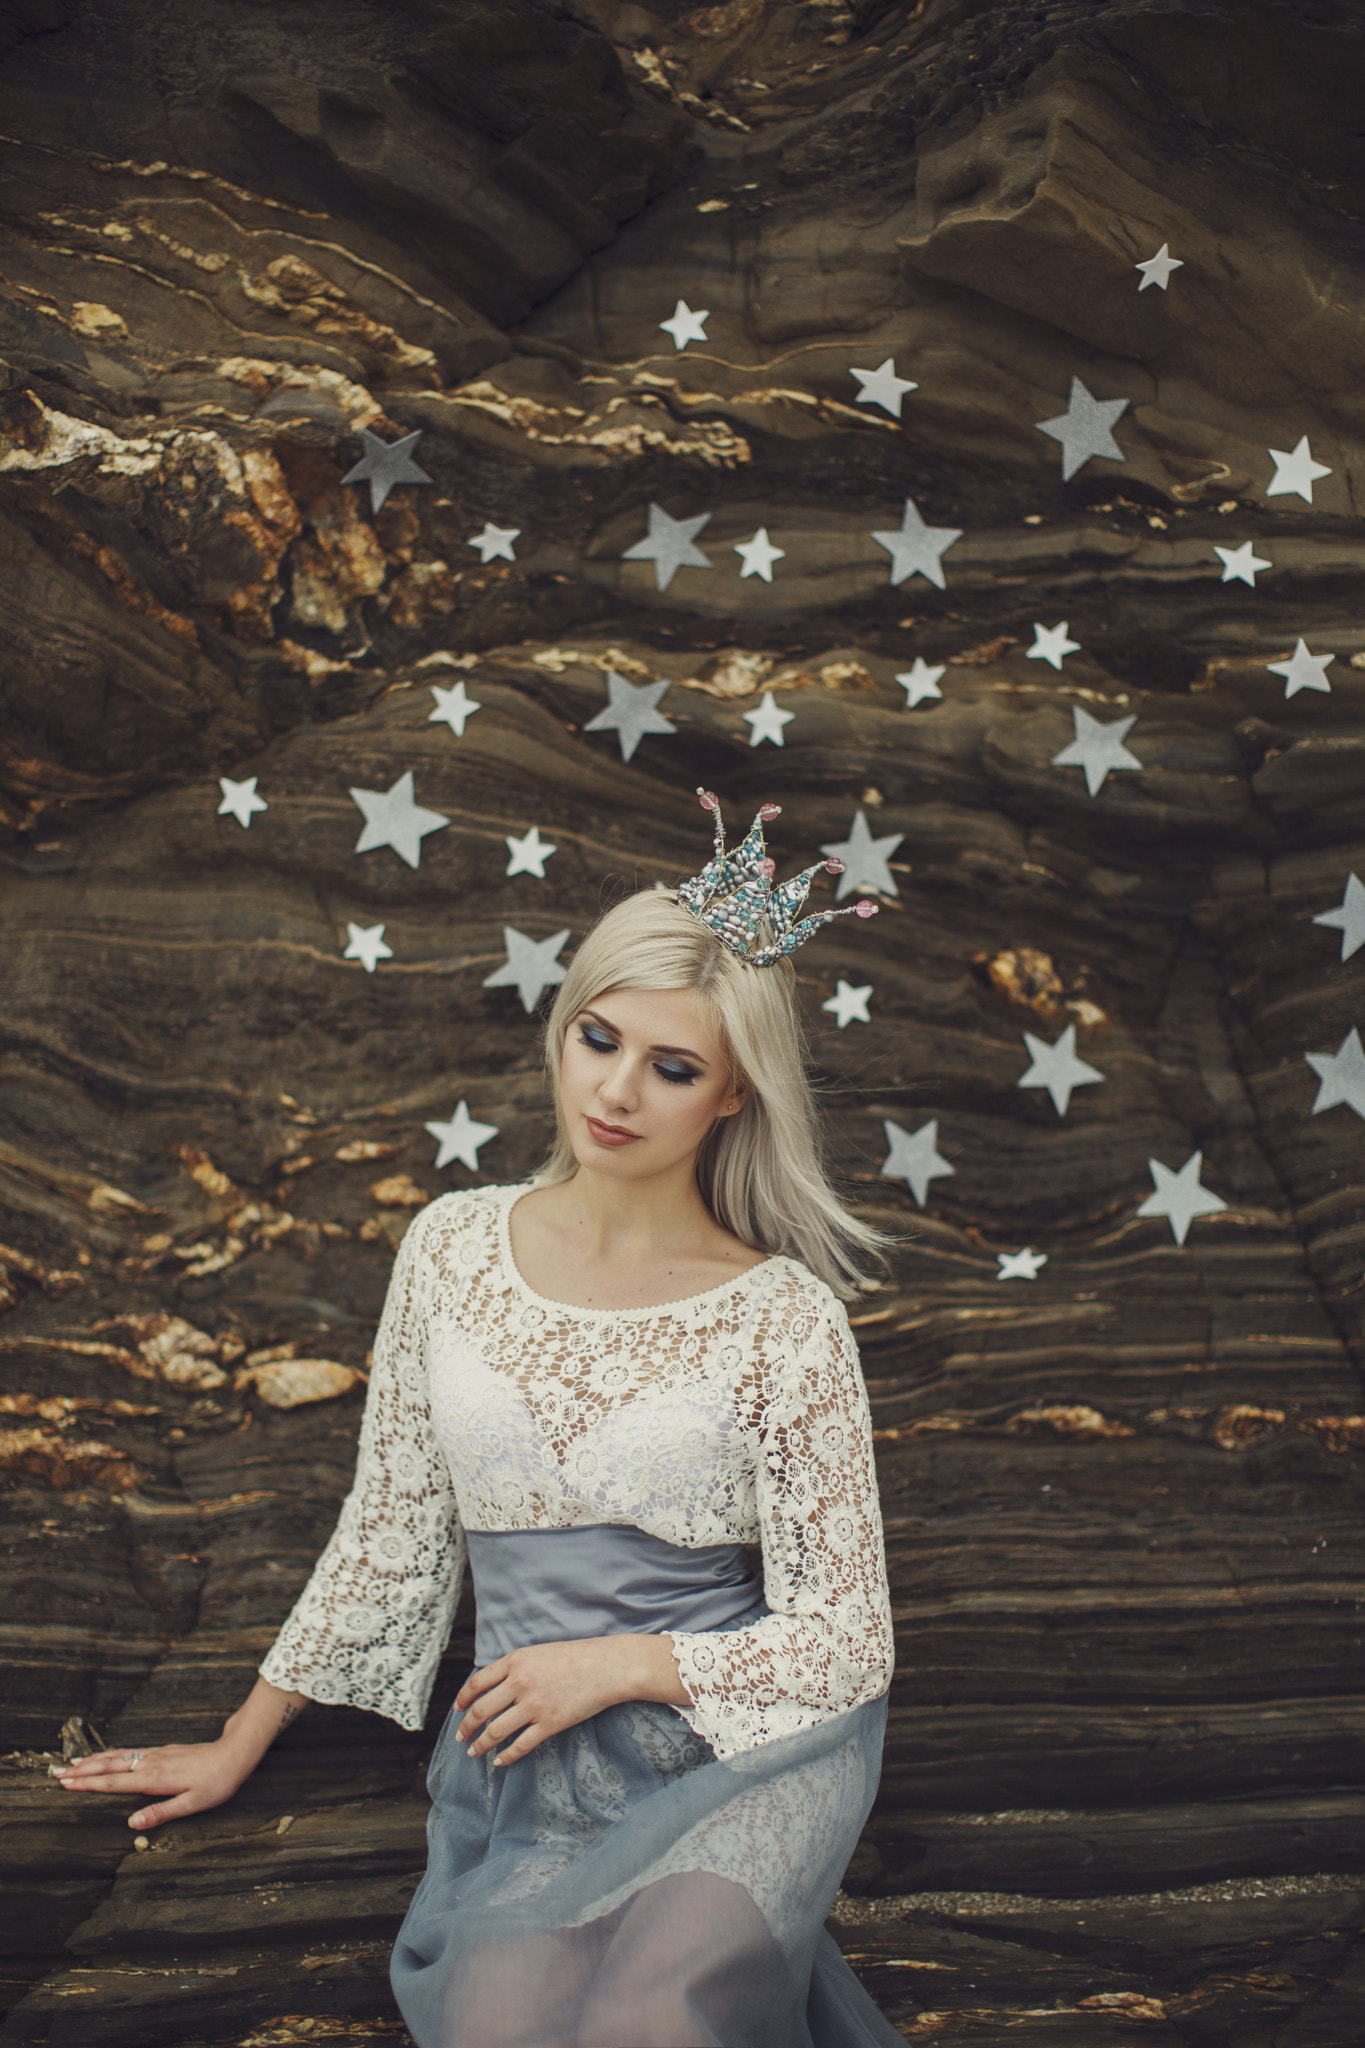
{"x": 734, "y": 897}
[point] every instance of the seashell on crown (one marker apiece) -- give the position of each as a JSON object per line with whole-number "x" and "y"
{"x": 734, "y": 896}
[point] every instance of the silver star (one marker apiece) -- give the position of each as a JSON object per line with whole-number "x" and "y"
{"x": 367, "y": 946}
{"x": 1348, "y": 917}
{"x": 384, "y": 464}
{"x": 1085, "y": 429}
{"x": 529, "y": 967}
{"x": 1157, "y": 269}
{"x": 1050, "y": 644}
{"x": 1295, "y": 471}
{"x": 1303, "y": 671}
{"x": 921, "y": 681}
{"x": 668, "y": 545}
{"x": 495, "y": 541}
{"x": 758, "y": 556}
{"x": 883, "y": 387}
{"x": 529, "y": 855}
{"x": 767, "y": 722}
{"x": 1097, "y": 748}
{"x": 240, "y": 800}
{"x": 453, "y": 707}
{"x": 1240, "y": 564}
{"x": 685, "y": 325}
{"x": 915, "y": 1159}
{"x": 1022, "y": 1265}
{"x": 865, "y": 859}
{"x": 631, "y": 713}
{"x": 1342, "y": 1074}
{"x": 849, "y": 1005}
{"x": 461, "y": 1138}
{"x": 915, "y": 548}
{"x": 393, "y": 818}
{"x": 1056, "y": 1068}
{"x": 1179, "y": 1196}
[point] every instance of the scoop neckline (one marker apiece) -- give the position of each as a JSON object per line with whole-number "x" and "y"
{"x": 513, "y": 1194}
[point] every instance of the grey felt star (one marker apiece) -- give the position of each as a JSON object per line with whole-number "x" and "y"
{"x": 631, "y": 712}
{"x": 240, "y": 800}
{"x": 495, "y": 542}
{"x": 1050, "y": 644}
{"x": 1157, "y": 269}
{"x": 1179, "y": 1196}
{"x": 527, "y": 856}
{"x": 685, "y": 325}
{"x": 669, "y": 545}
{"x": 1342, "y": 1074}
{"x": 366, "y": 944}
{"x": 1086, "y": 428}
{"x": 922, "y": 681}
{"x": 1097, "y": 748}
{"x": 461, "y": 1138}
{"x": 758, "y": 555}
{"x": 1303, "y": 671}
{"x": 915, "y": 548}
{"x": 883, "y": 387}
{"x": 1022, "y": 1265}
{"x": 453, "y": 708}
{"x": 385, "y": 464}
{"x": 865, "y": 859}
{"x": 393, "y": 818}
{"x": 1295, "y": 471}
{"x": 767, "y": 722}
{"x": 915, "y": 1158}
{"x": 529, "y": 967}
{"x": 848, "y": 1005}
{"x": 1348, "y": 917}
{"x": 1240, "y": 564}
{"x": 1056, "y": 1068}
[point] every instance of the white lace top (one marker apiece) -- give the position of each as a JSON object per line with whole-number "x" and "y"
{"x": 738, "y": 1415}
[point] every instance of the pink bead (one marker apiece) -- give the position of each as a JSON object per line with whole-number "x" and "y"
{"x": 709, "y": 801}
{"x": 866, "y": 909}
{"x": 767, "y": 812}
{"x": 767, "y": 867}
{"x": 834, "y": 866}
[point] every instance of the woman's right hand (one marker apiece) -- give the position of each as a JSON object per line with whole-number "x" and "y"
{"x": 171, "y": 1781}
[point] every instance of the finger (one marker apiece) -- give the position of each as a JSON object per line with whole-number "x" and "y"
{"x": 515, "y": 1716}
{"x": 128, "y": 1783}
{"x": 483, "y": 1709}
{"x": 530, "y": 1738}
{"x": 148, "y": 1817}
{"x": 479, "y": 1681}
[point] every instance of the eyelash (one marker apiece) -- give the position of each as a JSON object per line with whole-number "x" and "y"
{"x": 680, "y": 1077}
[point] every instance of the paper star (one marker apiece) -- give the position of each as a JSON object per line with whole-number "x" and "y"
{"x": 1179, "y": 1196}
{"x": 668, "y": 545}
{"x": 495, "y": 540}
{"x": 529, "y": 855}
{"x": 384, "y": 464}
{"x": 865, "y": 859}
{"x": 758, "y": 555}
{"x": 1348, "y": 917}
{"x": 461, "y": 1138}
{"x": 883, "y": 387}
{"x": 1295, "y": 471}
{"x": 767, "y": 722}
{"x": 240, "y": 800}
{"x": 915, "y": 1159}
{"x": 1056, "y": 1068}
{"x": 921, "y": 681}
{"x": 1022, "y": 1265}
{"x": 1097, "y": 748}
{"x": 631, "y": 713}
{"x": 685, "y": 325}
{"x": 393, "y": 818}
{"x": 915, "y": 548}
{"x": 367, "y": 946}
{"x": 1342, "y": 1074}
{"x": 1050, "y": 644}
{"x": 453, "y": 707}
{"x": 1303, "y": 671}
{"x": 849, "y": 1005}
{"x": 1085, "y": 429}
{"x": 1157, "y": 269}
{"x": 1240, "y": 564}
{"x": 529, "y": 967}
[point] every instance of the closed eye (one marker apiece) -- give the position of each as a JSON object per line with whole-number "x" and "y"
{"x": 667, "y": 1070}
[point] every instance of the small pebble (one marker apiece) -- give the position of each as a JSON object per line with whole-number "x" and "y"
{"x": 141, "y": 1842}
{"x": 286, "y": 1822}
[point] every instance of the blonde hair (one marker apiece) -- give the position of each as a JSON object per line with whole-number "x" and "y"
{"x": 759, "y": 1171}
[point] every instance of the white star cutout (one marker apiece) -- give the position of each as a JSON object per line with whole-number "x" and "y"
{"x": 461, "y": 1138}
{"x": 1085, "y": 429}
{"x": 1157, "y": 269}
{"x": 630, "y": 714}
{"x": 669, "y": 545}
{"x": 915, "y": 1159}
{"x": 367, "y": 946}
{"x": 1050, "y": 644}
{"x": 915, "y": 549}
{"x": 495, "y": 541}
{"x": 767, "y": 722}
{"x": 1303, "y": 671}
{"x": 758, "y": 555}
{"x": 1056, "y": 1068}
{"x": 1348, "y": 917}
{"x": 530, "y": 966}
{"x": 393, "y": 818}
{"x": 1098, "y": 748}
{"x": 1022, "y": 1265}
{"x": 685, "y": 325}
{"x": 384, "y": 464}
{"x": 883, "y": 387}
{"x": 1342, "y": 1074}
{"x": 1295, "y": 471}
{"x": 240, "y": 800}
{"x": 1179, "y": 1196}
{"x": 453, "y": 707}
{"x": 921, "y": 681}
{"x": 865, "y": 859}
{"x": 529, "y": 854}
{"x": 1240, "y": 564}
{"x": 849, "y": 1005}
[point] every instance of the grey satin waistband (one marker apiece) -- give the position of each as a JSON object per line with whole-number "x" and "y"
{"x": 605, "y": 1579}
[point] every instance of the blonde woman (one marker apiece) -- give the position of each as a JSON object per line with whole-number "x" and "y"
{"x": 597, "y": 1388}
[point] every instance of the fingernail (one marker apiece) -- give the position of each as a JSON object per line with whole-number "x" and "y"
{"x": 472, "y": 1750}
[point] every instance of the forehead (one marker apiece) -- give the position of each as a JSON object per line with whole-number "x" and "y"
{"x": 659, "y": 1016}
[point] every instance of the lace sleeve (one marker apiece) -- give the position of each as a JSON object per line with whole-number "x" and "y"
{"x": 827, "y": 1645}
{"x": 369, "y": 1627}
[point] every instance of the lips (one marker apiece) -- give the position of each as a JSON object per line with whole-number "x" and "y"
{"x": 610, "y": 1134}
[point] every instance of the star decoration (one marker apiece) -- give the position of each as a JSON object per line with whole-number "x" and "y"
{"x": 914, "y": 1159}
{"x": 631, "y": 713}
{"x": 1303, "y": 671}
{"x": 849, "y": 1005}
{"x": 1342, "y": 1074}
{"x": 461, "y": 1138}
{"x": 1056, "y": 1068}
{"x": 915, "y": 548}
{"x": 240, "y": 800}
{"x": 883, "y": 387}
{"x": 1050, "y": 644}
{"x": 495, "y": 541}
{"x": 367, "y": 945}
{"x": 384, "y": 464}
{"x": 529, "y": 855}
{"x": 767, "y": 722}
{"x": 1098, "y": 748}
{"x": 453, "y": 708}
{"x": 1179, "y": 1196}
{"x": 1240, "y": 564}
{"x": 1085, "y": 429}
{"x": 921, "y": 681}
{"x": 865, "y": 859}
{"x": 1348, "y": 917}
{"x": 1022, "y": 1265}
{"x": 1157, "y": 269}
{"x": 1295, "y": 471}
{"x": 685, "y": 325}
{"x": 393, "y": 818}
{"x": 668, "y": 545}
{"x": 758, "y": 555}
{"x": 530, "y": 966}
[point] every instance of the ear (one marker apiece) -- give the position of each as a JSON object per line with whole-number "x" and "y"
{"x": 736, "y": 1099}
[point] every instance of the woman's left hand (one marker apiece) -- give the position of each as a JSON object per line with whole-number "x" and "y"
{"x": 546, "y": 1687}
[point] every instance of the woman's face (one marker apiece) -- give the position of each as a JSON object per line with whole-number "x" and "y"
{"x": 642, "y": 1079}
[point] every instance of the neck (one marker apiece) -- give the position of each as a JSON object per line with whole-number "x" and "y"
{"x": 615, "y": 1217}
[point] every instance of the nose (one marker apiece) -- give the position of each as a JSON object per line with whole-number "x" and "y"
{"x": 619, "y": 1089}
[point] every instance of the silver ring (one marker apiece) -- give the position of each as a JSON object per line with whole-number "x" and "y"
{"x": 135, "y": 1757}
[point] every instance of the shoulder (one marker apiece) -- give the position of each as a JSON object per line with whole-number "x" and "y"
{"x": 463, "y": 1217}
{"x": 798, "y": 1308}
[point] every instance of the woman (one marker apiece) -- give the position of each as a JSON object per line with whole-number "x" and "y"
{"x": 598, "y": 1387}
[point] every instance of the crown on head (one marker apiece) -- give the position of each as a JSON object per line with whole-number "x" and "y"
{"x": 734, "y": 897}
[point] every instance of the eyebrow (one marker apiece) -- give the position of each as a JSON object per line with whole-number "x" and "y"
{"x": 682, "y": 1051}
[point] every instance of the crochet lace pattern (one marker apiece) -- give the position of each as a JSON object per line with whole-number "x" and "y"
{"x": 736, "y": 1415}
